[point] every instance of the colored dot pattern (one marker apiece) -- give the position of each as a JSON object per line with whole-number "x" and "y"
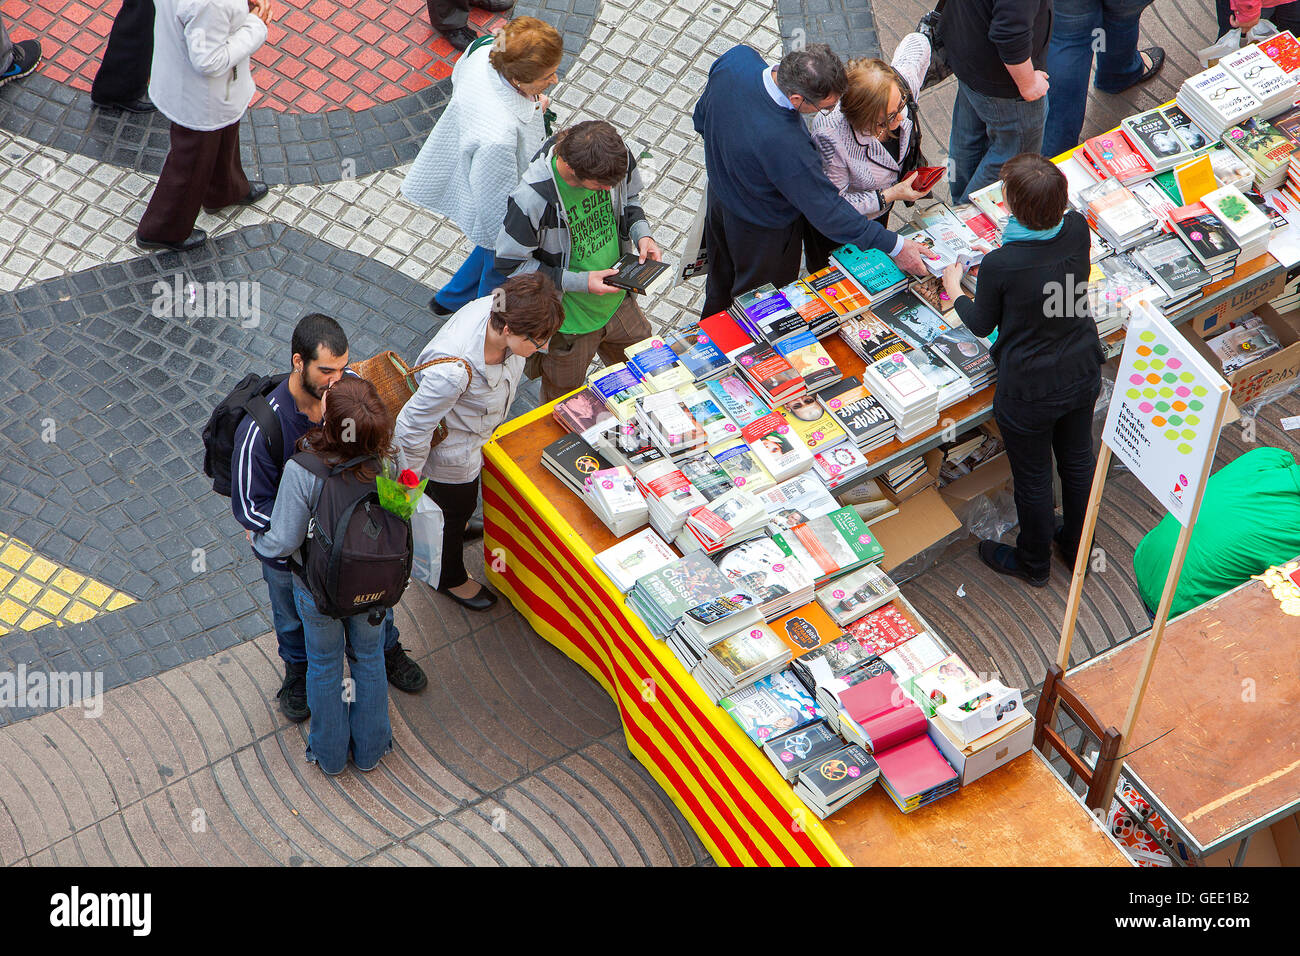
{"x": 1165, "y": 391}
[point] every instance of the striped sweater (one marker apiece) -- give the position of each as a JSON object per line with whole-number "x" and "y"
{"x": 535, "y": 235}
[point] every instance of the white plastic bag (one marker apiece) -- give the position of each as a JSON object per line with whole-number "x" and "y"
{"x": 1233, "y": 40}
{"x": 426, "y": 534}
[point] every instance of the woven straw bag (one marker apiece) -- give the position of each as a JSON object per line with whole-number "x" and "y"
{"x": 394, "y": 380}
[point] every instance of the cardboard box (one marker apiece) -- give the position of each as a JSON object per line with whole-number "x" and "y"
{"x": 1276, "y": 369}
{"x": 989, "y": 478}
{"x": 933, "y": 459}
{"x": 1205, "y": 321}
{"x": 921, "y": 521}
{"x": 1004, "y": 705}
{"x": 986, "y": 754}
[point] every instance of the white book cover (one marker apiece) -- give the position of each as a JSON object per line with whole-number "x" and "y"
{"x": 616, "y": 492}
{"x": 913, "y": 656}
{"x": 635, "y": 557}
{"x": 797, "y": 501}
{"x": 1241, "y": 216}
{"x": 708, "y": 414}
{"x": 942, "y": 223}
{"x": 1260, "y": 75}
{"x": 1224, "y": 94}
{"x": 839, "y": 464}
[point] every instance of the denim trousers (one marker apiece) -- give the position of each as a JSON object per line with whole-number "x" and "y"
{"x": 986, "y": 132}
{"x": 288, "y": 623}
{"x": 1080, "y": 29}
{"x": 476, "y": 277}
{"x": 344, "y": 714}
{"x": 1032, "y": 431}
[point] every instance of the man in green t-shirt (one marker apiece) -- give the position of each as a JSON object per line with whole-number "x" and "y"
{"x": 576, "y": 203}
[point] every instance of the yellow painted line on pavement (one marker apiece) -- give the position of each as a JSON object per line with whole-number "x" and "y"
{"x": 35, "y": 591}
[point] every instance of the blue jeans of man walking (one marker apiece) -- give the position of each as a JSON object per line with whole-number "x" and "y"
{"x": 1081, "y": 29}
{"x": 288, "y": 624}
{"x": 476, "y": 277}
{"x": 352, "y": 715}
{"x": 986, "y": 132}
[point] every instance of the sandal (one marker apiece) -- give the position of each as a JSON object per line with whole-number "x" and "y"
{"x": 1153, "y": 58}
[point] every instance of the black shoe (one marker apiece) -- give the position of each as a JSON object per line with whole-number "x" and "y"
{"x": 141, "y": 105}
{"x": 26, "y": 57}
{"x": 403, "y": 673}
{"x": 495, "y": 6}
{"x": 293, "y": 693}
{"x": 197, "y": 238}
{"x": 1157, "y": 57}
{"x": 1002, "y": 559}
{"x": 438, "y": 308}
{"x": 474, "y": 530}
{"x": 460, "y": 38}
{"x": 256, "y": 191}
{"x": 479, "y": 602}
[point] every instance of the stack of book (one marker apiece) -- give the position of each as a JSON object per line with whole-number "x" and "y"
{"x": 707, "y": 475}
{"x": 656, "y": 365}
{"x": 708, "y": 623}
{"x": 799, "y": 749}
{"x": 634, "y": 558}
{"x": 669, "y": 495}
{"x": 806, "y": 630}
{"x": 809, "y": 358}
{"x": 1247, "y": 340}
{"x": 742, "y": 466}
{"x": 1216, "y": 100}
{"x": 836, "y": 780}
{"x": 614, "y": 497}
{"x": 915, "y": 656}
{"x": 993, "y": 204}
{"x": 1162, "y": 142}
{"x": 869, "y": 500}
{"x": 870, "y": 338}
{"x": 772, "y": 706}
{"x": 744, "y": 658}
{"x": 848, "y": 597}
{"x": 619, "y": 387}
{"x": 1265, "y": 149}
{"x": 919, "y": 325}
{"x": 572, "y": 460}
{"x": 767, "y": 568}
{"x": 856, "y": 411}
{"x": 840, "y": 465}
{"x": 727, "y": 519}
{"x": 767, "y": 315}
{"x": 1117, "y": 215}
{"x": 1205, "y": 234}
{"x": 1111, "y": 282}
{"x": 886, "y": 628}
{"x": 967, "y": 453}
{"x": 708, "y": 414}
{"x": 872, "y": 271}
{"x": 840, "y": 293}
{"x": 726, "y": 334}
{"x": 909, "y": 398}
{"x": 1115, "y": 157}
{"x": 663, "y": 595}
{"x": 737, "y": 399}
{"x": 821, "y": 318}
{"x": 903, "y": 475}
{"x": 584, "y": 413}
{"x": 915, "y": 774}
{"x": 961, "y": 350}
{"x": 697, "y": 354}
{"x": 777, "y": 448}
{"x": 797, "y": 501}
{"x": 833, "y": 545}
{"x": 1246, "y": 224}
{"x": 816, "y": 427}
{"x": 669, "y": 424}
{"x": 769, "y": 374}
{"x": 1274, "y": 88}
{"x": 1178, "y": 273}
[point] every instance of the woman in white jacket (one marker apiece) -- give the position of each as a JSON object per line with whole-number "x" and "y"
{"x": 203, "y": 82}
{"x": 483, "y": 142}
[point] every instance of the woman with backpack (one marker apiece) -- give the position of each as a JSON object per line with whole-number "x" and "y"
{"x": 865, "y": 139}
{"x": 356, "y": 431}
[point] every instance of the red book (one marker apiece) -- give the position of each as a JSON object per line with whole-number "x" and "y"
{"x": 885, "y": 713}
{"x": 1117, "y": 157}
{"x": 769, "y": 370}
{"x": 1282, "y": 49}
{"x": 913, "y": 767}
{"x": 885, "y": 628}
{"x": 726, "y": 334}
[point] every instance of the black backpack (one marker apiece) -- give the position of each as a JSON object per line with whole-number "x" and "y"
{"x": 247, "y": 398}
{"x": 357, "y": 556}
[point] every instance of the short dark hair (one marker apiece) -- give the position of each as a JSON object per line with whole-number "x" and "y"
{"x": 530, "y": 304}
{"x": 1035, "y": 190}
{"x": 315, "y": 330}
{"x": 814, "y": 72}
{"x": 594, "y": 151}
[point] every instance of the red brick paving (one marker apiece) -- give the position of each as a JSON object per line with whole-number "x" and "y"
{"x": 320, "y": 54}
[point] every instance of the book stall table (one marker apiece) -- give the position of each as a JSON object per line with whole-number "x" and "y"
{"x": 539, "y": 543}
{"x": 1216, "y": 749}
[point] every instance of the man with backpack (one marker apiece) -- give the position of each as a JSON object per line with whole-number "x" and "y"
{"x": 289, "y": 405}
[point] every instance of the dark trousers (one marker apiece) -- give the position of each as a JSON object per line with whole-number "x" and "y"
{"x": 458, "y": 503}
{"x": 817, "y": 248}
{"x": 123, "y": 74}
{"x": 202, "y": 170}
{"x": 448, "y": 15}
{"x": 1032, "y": 431}
{"x": 743, "y": 256}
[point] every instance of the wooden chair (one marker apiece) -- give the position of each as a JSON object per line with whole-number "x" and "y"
{"x": 1054, "y": 691}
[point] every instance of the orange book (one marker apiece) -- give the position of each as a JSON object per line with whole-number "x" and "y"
{"x": 806, "y": 629}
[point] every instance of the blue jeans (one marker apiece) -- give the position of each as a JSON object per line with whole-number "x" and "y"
{"x": 1079, "y": 28}
{"x": 476, "y": 277}
{"x": 986, "y": 132}
{"x": 287, "y": 623}
{"x": 344, "y": 715}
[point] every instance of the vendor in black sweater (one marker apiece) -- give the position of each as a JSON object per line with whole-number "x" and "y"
{"x": 1033, "y": 291}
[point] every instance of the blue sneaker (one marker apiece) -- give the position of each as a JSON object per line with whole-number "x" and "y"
{"x": 26, "y": 57}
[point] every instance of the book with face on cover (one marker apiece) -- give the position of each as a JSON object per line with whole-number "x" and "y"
{"x": 775, "y": 705}
{"x": 1153, "y": 134}
{"x": 765, "y": 568}
{"x": 913, "y": 320}
{"x": 1191, "y": 134}
{"x": 857, "y": 411}
{"x": 777, "y": 447}
{"x": 797, "y": 501}
{"x": 815, "y": 426}
{"x": 585, "y": 413}
{"x": 737, "y": 399}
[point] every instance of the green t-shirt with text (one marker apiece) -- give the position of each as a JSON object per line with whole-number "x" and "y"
{"x": 593, "y": 232}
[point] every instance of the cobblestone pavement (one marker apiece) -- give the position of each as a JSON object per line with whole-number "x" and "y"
{"x": 512, "y": 755}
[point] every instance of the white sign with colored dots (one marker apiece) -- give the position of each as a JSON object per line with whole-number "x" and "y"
{"x": 1164, "y": 413}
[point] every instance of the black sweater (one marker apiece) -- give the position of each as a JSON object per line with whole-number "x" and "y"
{"x": 981, "y": 36}
{"x": 1035, "y": 293}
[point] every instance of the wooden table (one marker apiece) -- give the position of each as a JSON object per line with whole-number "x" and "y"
{"x": 1216, "y": 750}
{"x": 539, "y": 541}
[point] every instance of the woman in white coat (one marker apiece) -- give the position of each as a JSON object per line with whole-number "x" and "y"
{"x": 482, "y": 143}
{"x": 203, "y": 82}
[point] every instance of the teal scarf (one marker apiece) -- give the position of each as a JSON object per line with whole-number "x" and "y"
{"x": 1015, "y": 232}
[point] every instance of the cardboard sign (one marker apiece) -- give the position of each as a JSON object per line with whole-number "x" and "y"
{"x": 1164, "y": 415}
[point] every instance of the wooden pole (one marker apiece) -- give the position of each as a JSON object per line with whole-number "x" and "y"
{"x": 1081, "y": 557}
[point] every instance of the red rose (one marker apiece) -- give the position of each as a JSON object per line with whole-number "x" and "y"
{"x": 408, "y": 478}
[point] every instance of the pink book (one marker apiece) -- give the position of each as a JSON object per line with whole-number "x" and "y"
{"x": 884, "y": 712}
{"x": 914, "y": 766}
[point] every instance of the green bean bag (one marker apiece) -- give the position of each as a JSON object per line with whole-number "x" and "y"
{"x": 1249, "y": 520}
